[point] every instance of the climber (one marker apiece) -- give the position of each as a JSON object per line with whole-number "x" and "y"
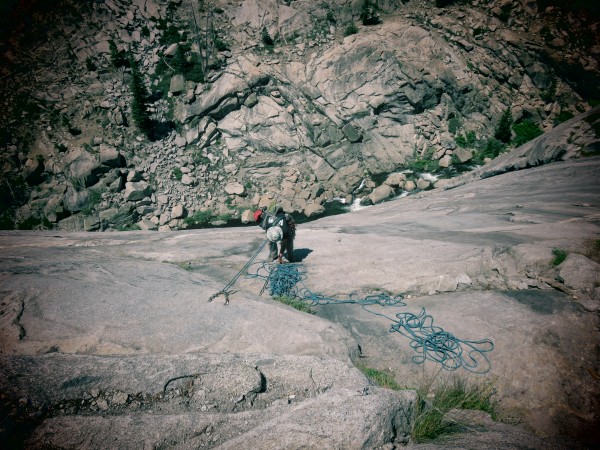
{"x": 280, "y": 228}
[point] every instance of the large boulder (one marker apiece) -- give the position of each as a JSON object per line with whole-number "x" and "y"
{"x": 380, "y": 193}
{"x": 136, "y": 190}
{"x": 86, "y": 168}
{"x": 110, "y": 156}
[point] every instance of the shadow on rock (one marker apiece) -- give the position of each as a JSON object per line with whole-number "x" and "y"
{"x": 301, "y": 253}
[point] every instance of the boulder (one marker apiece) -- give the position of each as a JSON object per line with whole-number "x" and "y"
{"x": 110, "y": 156}
{"x": 314, "y": 209}
{"x": 86, "y": 168}
{"x": 395, "y": 179}
{"x": 71, "y": 223}
{"x": 579, "y": 272}
{"x": 177, "y": 85}
{"x": 380, "y": 193}
{"x": 178, "y": 212}
{"x": 445, "y": 161}
{"x": 423, "y": 184}
{"x": 74, "y": 200}
{"x": 235, "y": 188}
{"x": 136, "y": 190}
{"x": 247, "y": 216}
{"x": 352, "y": 133}
{"x": 463, "y": 155}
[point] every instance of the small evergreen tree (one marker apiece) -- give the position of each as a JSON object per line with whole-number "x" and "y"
{"x": 139, "y": 110}
{"x": 503, "y": 132}
{"x": 369, "y": 14}
{"x": 350, "y": 29}
{"x": 266, "y": 37}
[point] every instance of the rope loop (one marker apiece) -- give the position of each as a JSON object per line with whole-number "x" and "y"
{"x": 430, "y": 343}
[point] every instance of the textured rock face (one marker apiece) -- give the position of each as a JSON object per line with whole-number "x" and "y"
{"x": 113, "y": 337}
{"x": 316, "y": 105}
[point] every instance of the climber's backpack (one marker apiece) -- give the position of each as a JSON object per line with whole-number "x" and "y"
{"x": 286, "y": 224}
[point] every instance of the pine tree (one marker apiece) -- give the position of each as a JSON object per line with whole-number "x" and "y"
{"x": 139, "y": 111}
{"x": 503, "y": 130}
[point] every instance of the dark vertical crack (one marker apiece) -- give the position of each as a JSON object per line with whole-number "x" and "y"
{"x": 17, "y": 320}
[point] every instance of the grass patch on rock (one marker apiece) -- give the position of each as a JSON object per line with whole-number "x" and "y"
{"x": 560, "y": 254}
{"x": 294, "y": 303}
{"x": 379, "y": 377}
{"x": 435, "y": 401}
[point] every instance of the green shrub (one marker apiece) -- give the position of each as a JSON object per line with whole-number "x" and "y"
{"x": 94, "y": 199}
{"x": 170, "y": 35}
{"x": 221, "y": 45}
{"x": 492, "y": 148}
{"x": 199, "y": 159}
{"x": 503, "y": 132}
{"x": 466, "y": 141}
{"x": 424, "y": 165}
{"x": 177, "y": 173}
{"x": 559, "y": 256}
{"x": 453, "y": 125}
{"x": 525, "y": 131}
{"x": 434, "y": 403}
{"x": 199, "y": 218}
{"x": 266, "y": 38}
{"x": 194, "y": 70}
{"x": 33, "y": 223}
{"x": 505, "y": 10}
{"x": 563, "y": 117}
{"x": 369, "y": 13}
{"x": 350, "y": 29}
{"x": 89, "y": 64}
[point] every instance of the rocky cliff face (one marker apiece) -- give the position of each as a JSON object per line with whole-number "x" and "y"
{"x": 259, "y": 102}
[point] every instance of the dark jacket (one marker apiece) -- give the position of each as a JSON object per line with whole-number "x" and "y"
{"x": 282, "y": 220}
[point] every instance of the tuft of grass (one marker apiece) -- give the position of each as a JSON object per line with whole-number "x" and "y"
{"x": 434, "y": 403}
{"x": 379, "y": 377}
{"x": 295, "y": 303}
{"x": 560, "y": 255}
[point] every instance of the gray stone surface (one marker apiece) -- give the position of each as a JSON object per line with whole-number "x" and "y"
{"x": 475, "y": 257}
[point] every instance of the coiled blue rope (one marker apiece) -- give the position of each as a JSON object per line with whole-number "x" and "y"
{"x": 430, "y": 342}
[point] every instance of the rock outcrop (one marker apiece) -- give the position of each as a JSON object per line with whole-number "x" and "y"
{"x": 282, "y": 99}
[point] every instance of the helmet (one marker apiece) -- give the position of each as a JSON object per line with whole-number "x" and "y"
{"x": 275, "y": 234}
{"x": 257, "y": 215}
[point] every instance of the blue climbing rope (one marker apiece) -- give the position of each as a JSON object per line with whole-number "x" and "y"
{"x": 428, "y": 341}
